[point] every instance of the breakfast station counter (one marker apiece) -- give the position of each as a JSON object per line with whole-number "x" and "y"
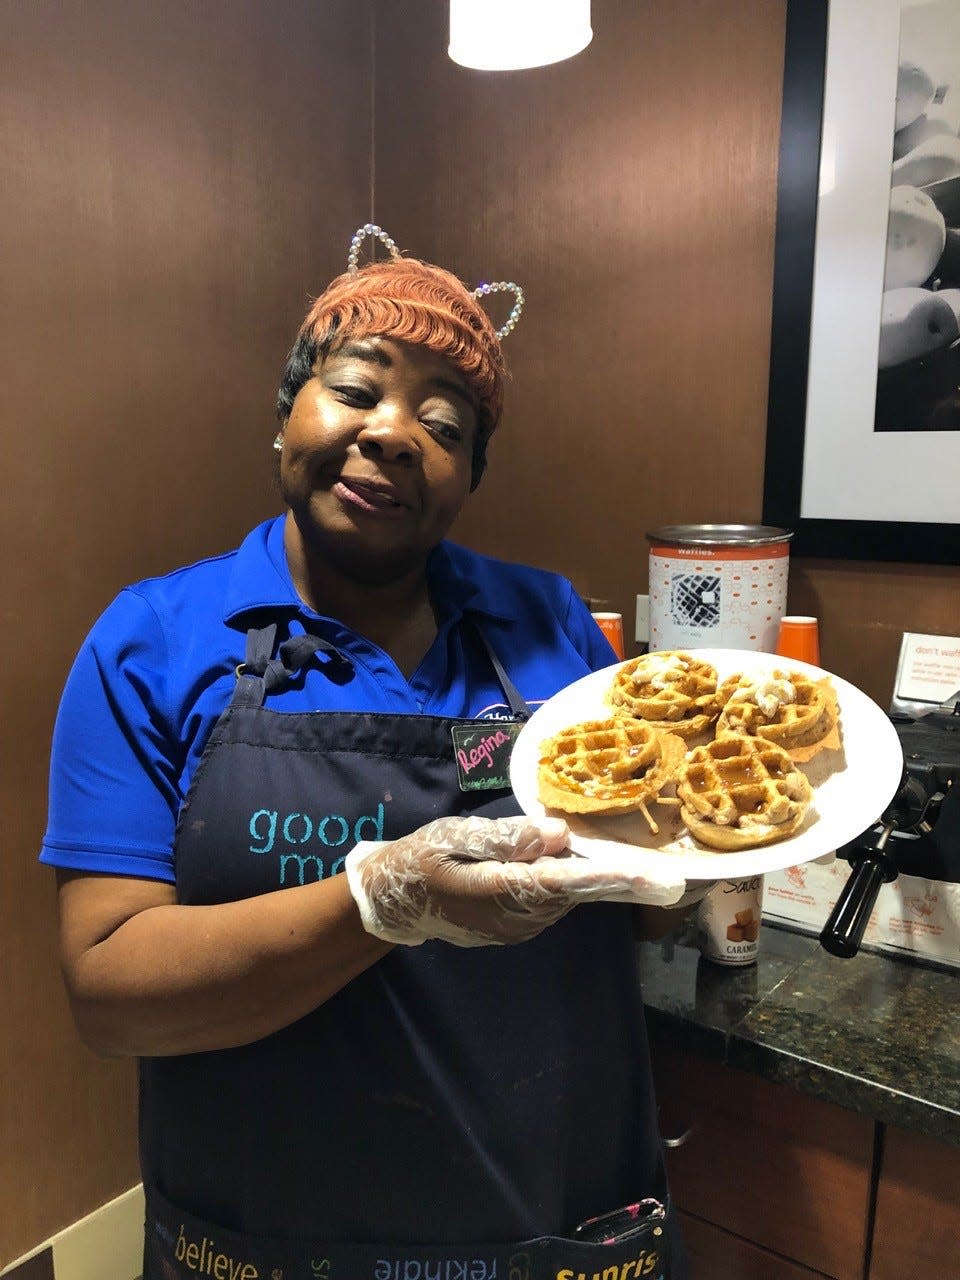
{"x": 874, "y": 1033}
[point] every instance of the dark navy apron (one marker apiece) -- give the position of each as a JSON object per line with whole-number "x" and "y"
{"x": 452, "y": 1111}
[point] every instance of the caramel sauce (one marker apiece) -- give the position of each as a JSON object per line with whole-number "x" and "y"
{"x": 738, "y": 776}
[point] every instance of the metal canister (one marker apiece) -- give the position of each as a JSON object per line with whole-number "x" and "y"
{"x": 728, "y": 921}
{"x": 717, "y": 586}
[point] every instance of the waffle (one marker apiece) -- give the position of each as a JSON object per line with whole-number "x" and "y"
{"x": 739, "y": 792}
{"x": 607, "y": 766}
{"x": 784, "y": 707}
{"x": 668, "y": 689}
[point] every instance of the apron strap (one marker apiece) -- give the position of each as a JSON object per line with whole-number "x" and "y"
{"x": 518, "y": 704}
{"x": 260, "y": 642}
{"x": 260, "y": 673}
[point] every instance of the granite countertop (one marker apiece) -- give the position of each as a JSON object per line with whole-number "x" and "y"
{"x": 875, "y": 1033}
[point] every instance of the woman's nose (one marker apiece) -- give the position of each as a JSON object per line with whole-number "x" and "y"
{"x": 389, "y": 431}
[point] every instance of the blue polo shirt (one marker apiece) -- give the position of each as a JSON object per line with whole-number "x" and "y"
{"x": 158, "y": 669}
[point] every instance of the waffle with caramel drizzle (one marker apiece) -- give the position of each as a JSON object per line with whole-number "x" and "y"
{"x": 784, "y": 707}
{"x": 669, "y": 689}
{"x": 740, "y": 792}
{"x": 607, "y": 766}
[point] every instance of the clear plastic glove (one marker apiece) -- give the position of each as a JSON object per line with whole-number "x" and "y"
{"x": 696, "y": 891}
{"x": 481, "y": 881}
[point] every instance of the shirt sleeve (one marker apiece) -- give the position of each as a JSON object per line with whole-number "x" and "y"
{"x": 583, "y": 631}
{"x": 114, "y": 770}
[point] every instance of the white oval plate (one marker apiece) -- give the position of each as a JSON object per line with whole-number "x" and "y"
{"x": 846, "y": 801}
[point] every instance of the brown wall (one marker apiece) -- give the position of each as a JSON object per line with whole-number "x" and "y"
{"x": 178, "y": 178}
{"x": 632, "y": 191}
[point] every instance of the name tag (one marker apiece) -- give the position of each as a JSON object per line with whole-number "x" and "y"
{"x": 483, "y": 754}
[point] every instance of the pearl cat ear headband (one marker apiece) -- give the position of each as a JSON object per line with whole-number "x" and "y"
{"x": 501, "y": 286}
{"x": 482, "y": 290}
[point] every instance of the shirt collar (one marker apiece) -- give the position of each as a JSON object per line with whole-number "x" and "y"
{"x": 260, "y": 579}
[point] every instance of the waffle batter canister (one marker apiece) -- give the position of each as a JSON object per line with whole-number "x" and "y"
{"x": 717, "y": 586}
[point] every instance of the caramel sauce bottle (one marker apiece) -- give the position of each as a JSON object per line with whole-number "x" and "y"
{"x": 728, "y": 921}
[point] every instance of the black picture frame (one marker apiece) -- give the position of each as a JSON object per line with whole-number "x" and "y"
{"x": 804, "y": 85}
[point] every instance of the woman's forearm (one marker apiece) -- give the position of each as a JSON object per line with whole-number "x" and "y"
{"x": 172, "y": 979}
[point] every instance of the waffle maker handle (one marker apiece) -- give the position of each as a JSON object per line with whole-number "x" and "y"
{"x": 843, "y": 932}
{"x": 874, "y": 866}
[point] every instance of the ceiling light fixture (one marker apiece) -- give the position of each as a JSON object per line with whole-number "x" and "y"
{"x": 511, "y": 35}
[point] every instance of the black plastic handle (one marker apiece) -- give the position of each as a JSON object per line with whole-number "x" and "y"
{"x": 843, "y": 932}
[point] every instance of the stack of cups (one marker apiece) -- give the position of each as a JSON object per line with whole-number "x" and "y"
{"x": 799, "y": 638}
{"x": 611, "y": 624}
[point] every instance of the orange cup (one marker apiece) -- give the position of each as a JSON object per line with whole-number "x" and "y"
{"x": 799, "y": 638}
{"x": 611, "y": 624}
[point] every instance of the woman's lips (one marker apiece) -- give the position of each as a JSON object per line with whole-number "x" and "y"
{"x": 368, "y": 497}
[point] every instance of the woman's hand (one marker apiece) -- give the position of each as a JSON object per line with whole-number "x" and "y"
{"x": 481, "y": 881}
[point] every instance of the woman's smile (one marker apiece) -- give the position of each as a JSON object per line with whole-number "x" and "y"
{"x": 370, "y": 496}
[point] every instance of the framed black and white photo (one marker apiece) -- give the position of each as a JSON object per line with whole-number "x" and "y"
{"x": 863, "y": 434}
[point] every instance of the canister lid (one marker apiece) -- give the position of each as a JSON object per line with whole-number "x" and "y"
{"x": 718, "y": 535}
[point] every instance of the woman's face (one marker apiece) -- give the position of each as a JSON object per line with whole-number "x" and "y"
{"x": 376, "y": 458}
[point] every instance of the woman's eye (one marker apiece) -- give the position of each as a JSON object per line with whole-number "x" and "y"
{"x": 354, "y": 395}
{"x": 451, "y": 431}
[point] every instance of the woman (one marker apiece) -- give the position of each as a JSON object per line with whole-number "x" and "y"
{"x": 341, "y": 1073}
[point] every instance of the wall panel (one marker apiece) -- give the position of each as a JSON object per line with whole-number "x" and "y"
{"x": 178, "y": 180}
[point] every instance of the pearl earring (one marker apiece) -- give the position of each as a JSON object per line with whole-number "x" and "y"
{"x": 278, "y": 442}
